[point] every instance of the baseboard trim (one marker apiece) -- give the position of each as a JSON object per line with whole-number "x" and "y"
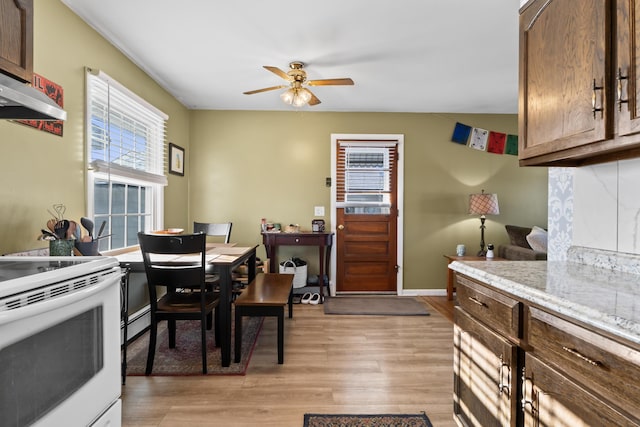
{"x": 424, "y": 292}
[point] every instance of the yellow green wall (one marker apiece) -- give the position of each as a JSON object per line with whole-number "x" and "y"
{"x": 248, "y": 165}
{"x": 245, "y": 165}
{"x": 40, "y": 169}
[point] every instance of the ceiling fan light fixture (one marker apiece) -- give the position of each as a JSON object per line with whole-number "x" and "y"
{"x": 301, "y": 97}
{"x": 288, "y": 96}
{"x": 296, "y": 94}
{"x": 298, "y": 97}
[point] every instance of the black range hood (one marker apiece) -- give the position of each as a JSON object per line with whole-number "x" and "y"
{"x": 21, "y": 101}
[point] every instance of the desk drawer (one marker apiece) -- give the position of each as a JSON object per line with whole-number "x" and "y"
{"x": 608, "y": 367}
{"x": 494, "y": 309}
{"x": 307, "y": 240}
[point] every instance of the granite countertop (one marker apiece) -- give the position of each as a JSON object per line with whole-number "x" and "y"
{"x": 599, "y": 295}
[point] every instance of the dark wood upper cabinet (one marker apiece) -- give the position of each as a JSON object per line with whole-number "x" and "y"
{"x": 579, "y": 94}
{"x": 16, "y": 38}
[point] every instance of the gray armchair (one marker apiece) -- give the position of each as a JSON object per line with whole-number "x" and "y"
{"x": 519, "y": 249}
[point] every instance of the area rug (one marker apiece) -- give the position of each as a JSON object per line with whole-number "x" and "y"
{"x": 379, "y": 420}
{"x": 375, "y": 305}
{"x": 186, "y": 358}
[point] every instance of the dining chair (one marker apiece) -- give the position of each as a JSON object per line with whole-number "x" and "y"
{"x": 221, "y": 231}
{"x": 186, "y": 296}
{"x": 214, "y": 229}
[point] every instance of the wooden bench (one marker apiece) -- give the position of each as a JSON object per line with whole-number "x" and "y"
{"x": 266, "y": 295}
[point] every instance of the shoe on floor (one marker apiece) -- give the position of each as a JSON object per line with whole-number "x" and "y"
{"x": 315, "y": 299}
{"x": 306, "y": 298}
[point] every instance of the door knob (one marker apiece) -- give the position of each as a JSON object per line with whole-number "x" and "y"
{"x": 341, "y": 227}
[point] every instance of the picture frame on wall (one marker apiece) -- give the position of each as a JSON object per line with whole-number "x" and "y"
{"x": 176, "y": 159}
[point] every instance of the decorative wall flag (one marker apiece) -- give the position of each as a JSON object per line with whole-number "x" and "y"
{"x": 485, "y": 140}
{"x": 461, "y": 133}
{"x": 479, "y": 139}
{"x": 496, "y": 142}
{"x": 512, "y": 145}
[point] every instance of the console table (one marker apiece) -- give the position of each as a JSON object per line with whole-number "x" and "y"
{"x": 323, "y": 240}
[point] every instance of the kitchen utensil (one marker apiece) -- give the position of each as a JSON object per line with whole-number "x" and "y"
{"x": 88, "y": 224}
{"x": 101, "y": 229}
{"x": 60, "y": 209}
{"x": 51, "y": 224}
{"x": 77, "y": 232}
{"x": 61, "y": 229}
{"x": 47, "y": 235}
{"x": 71, "y": 231}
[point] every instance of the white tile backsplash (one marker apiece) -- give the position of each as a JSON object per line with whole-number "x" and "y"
{"x": 629, "y": 206}
{"x": 595, "y": 207}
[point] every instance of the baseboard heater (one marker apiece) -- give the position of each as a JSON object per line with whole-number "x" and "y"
{"x": 138, "y": 323}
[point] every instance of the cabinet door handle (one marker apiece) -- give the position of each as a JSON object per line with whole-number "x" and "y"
{"x": 581, "y": 356}
{"x": 477, "y": 301}
{"x": 593, "y": 100}
{"x": 502, "y": 386}
{"x": 525, "y": 401}
{"x": 619, "y": 79}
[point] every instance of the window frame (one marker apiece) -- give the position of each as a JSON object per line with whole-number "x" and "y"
{"x": 100, "y": 170}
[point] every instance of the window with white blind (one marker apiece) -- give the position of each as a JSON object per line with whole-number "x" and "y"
{"x": 364, "y": 173}
{"x": 126, "y": 161}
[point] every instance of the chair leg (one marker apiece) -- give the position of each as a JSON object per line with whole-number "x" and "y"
{"x": 153, "y": 329}
{"x": 238, "y": 337}
{"x": 209, "y": 321}
{"x": 216, "y": 327}
{"x": 203, "y": 325}
{"x": 172, "y": 333}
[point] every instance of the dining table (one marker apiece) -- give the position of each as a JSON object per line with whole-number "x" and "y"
{"x": 222, "y": 259}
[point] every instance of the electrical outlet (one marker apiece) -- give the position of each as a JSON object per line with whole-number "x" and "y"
{"x": 318, "y": 211}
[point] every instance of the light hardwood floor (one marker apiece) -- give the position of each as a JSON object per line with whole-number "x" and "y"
{"x": 333, "y": 364}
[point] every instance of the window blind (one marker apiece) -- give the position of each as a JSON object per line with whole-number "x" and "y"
{"x": 127, "y": 134}
{"x": 364, "y": 172}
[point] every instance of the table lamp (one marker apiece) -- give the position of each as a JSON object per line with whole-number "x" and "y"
{"x": 483, "y": 204}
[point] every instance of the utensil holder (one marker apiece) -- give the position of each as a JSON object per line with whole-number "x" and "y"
{"x": 88, "y": 248}
{"x": 61, "y": 247}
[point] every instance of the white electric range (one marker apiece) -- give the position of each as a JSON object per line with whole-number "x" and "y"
{"x": 60, "y": 341}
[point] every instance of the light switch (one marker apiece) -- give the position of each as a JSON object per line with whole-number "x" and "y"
{"x": 318, "y": 211}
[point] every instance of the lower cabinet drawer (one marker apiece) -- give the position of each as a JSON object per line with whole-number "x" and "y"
{"x": 608, "y": 367}
{"x": 551, "y": 399}
{"x": 494, "y": 309}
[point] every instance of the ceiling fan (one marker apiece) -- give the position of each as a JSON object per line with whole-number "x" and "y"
{"x": 297, "y": 94}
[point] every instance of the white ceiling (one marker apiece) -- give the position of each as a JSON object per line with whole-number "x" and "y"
{"x": 403, "y": 55}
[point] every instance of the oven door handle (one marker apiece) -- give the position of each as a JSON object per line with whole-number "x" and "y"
{"x": 57, "y": 302}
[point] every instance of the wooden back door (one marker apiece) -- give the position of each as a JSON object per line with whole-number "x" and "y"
{"x": 366, "y": 216}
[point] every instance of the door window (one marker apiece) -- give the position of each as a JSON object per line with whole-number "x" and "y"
{"x": 364, "y": 175}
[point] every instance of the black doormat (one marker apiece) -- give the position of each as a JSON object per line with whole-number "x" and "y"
{"x": 375, "y": 420}
{"x": 375, "y": 305}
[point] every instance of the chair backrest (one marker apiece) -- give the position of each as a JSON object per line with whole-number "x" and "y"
{"x": 162, "y": 271}
{"x": 219, "y": 229}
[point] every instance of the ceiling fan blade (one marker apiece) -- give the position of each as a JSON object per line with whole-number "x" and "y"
{"x": 251, "y": 92}
{"x": 314, "y": 100}
{"x": 277, "y": 71}
{"x": 330, "y": 82}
